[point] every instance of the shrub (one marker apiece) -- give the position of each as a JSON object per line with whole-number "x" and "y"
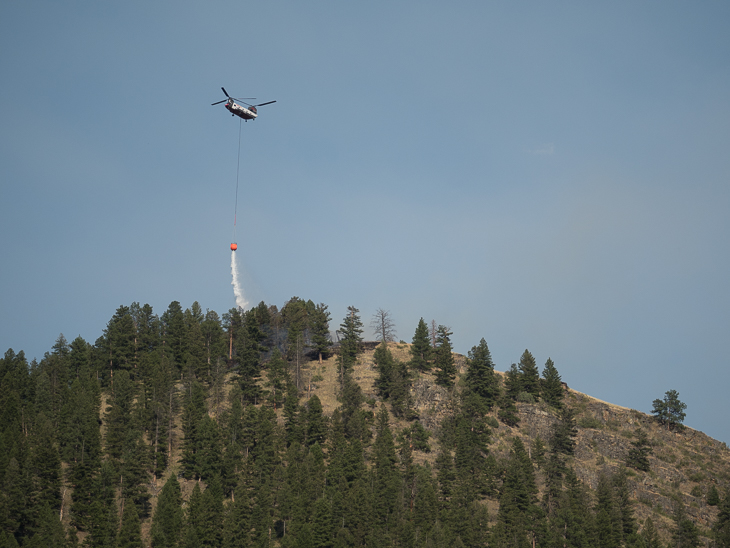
{"x": 589, "y": 421}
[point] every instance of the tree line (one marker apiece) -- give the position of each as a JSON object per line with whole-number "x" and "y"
{"x": 269, "y": 468}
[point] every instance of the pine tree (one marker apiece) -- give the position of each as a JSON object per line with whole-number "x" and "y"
{"x": 44, "y": 465}
{"x": 480, "y": 377}
{"x": 650, "y": 535}
{"x": 507, "y": 408}
{"x": 293, "y": 427}
{"x": 713, "y": 497}
{"x": 103, "y": 517}
{"x": 321, "y": 330}
{"x": 120, "y": 417}
{"x": 210, "y": 515}
{"x": 316, "y": 429}
{"x": 444, "y": 359}
{"x": 248, "y": 351}
{"x": 118, "y": 341}
{"x": 193, "y": 411}
{"x": 48, "y": 530}
{"x": 351, "y": 330}
{"x": 721, "y": 527}
{"x": 520, "y": 518}
{"x": 552, "y": 385}
{"x": 420, "y": 348}
{"x": 208, "y": 451}
{"x": 173, "y": 335}
{"x": 277, "y": 379}
{"x": 685, "y": 533}
{"x": 387, "y": 477}
{"x": 670, "y": 411}
{"x": 322, "y": 524}
{"x": 638, "y": 456}
{"x": 564, "y": 432}
{"x": 385, "y": 365}
{"x": 168, "y": 518}
{"x": 130, "y": 534}
{"x": 529, "y": 375}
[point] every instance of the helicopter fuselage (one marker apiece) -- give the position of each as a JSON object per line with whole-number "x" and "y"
{"x": 241, "y": 112}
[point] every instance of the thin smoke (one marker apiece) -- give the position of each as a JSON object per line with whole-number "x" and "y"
{"x": 241, "y": 301}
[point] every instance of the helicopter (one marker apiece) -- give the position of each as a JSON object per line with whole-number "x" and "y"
{"x": 247, "y": 113}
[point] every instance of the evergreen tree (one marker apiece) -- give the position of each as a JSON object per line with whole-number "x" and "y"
{"x": 421, "y": 348}
{"x": 134, "y": 469}
{"x": 351, "y": 330}
{"x": 173, "y": 335}
{"x": 316, "y": 429}
{"x": 713, "y": 497}
{"x": 444, "y": 359}
{"x": 44, "y": 465}
{"x": 296, "y": 317}
{"x": 237, "y": 521}
{"x": 685, "y": 533}
{"x": 564, "y": 432}
{"x": 321, "y": 330}
{"x": 400, "y": 394}
{"x": 650, "y": 535}
{"x": 721, "y": 527}
{"x": 194, "y": 516}
{"x": 638, "y": 456}
{"x": 293, "y": 427}
{"x": 119, "y": 341}
{"x": 120, "y": 417}
{"x": 507, "y": 409}
{"x": 529, "y": 375}
{"x": 609, "y": 522}
{"x": 385, "y": 366}
{"x": 209, "y": 521}
{"x": 322, "y": 524}
{"x": 670, "y": 411}
{"x": 387, "y": 477}
{"x": 130, "y": 534}
{"x": 168, "y": 518}
{"x": 572, "y": 525}
{"x": 480, "y": 377}
{"x": 521, "y": 521}
{"x": 552, "y": 385}
{"x": 208, "y": 452}
{"x": 249, "y": 350}
{"x": 103, "y": 517}
{"x": 48, "y": 531}
{"x": 277, "y": 379}
{"x": 193, "y": 411}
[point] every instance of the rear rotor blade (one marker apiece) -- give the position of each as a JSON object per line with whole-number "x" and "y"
{"x": 262, "y": 104}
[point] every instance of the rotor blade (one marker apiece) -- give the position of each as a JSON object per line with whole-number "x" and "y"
{"x": 219, "y": 102}
{"x": 262, "y": 104}
{"x": 224, "y": 91}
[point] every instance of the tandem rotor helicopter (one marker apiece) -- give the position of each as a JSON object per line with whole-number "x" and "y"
{"x": 247, "y": 113}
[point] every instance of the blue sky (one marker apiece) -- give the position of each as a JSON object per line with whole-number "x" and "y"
{"x": 550, "y": 176}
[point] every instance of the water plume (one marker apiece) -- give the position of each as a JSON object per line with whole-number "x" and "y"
{"x": 241, "y": 301}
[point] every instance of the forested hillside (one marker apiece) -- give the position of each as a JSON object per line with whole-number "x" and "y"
{"x": 254, "y": 428}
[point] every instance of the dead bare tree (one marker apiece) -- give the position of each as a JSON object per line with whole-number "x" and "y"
{"x": 383, "y": 326}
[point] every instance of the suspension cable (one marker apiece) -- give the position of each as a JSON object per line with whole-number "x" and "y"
{"x": 238, "y": 169}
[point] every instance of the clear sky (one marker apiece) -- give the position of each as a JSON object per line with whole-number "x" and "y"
{"x": 547, "y": 175}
